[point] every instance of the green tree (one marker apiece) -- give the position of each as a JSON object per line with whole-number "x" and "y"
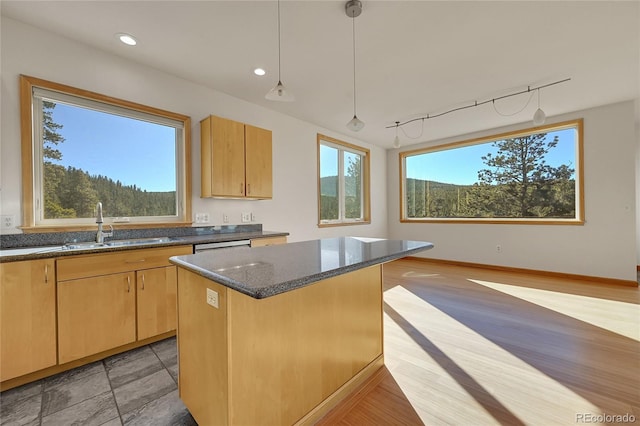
{"x": 52, "y": 173}
{"x": 523, "y": 184}
{"x": 353, "y": 188}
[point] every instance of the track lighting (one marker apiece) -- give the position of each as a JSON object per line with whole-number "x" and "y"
{"x": 279, "y": 93}
{"x": 538, "y": 118}
{"x": 353, "y": 8}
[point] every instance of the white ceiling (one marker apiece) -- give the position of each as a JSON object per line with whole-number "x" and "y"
{"x": 413, "y": 57}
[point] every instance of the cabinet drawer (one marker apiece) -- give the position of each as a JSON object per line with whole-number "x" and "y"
{"x": 269, "y": 241}
{"x": 92, "y": 265}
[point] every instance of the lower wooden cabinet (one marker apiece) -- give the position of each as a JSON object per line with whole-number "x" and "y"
{"x": 113, "y": 299}
{"x": 95, "y": 314}
{"x": 156, "y": 291}
{"x": 27, "y": 317}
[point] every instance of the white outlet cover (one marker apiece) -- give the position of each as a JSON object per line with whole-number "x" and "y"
{"x": 212, "y": 298}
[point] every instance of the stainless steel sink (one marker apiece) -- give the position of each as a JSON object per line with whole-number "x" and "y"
{"x": 86, "y": 245}
{"x": 116, "y": 243}
{"x": 137, "y": 241}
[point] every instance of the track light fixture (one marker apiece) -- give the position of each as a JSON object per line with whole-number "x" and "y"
{"x": 538, "y": 118}
{"x": 396, "y": 140}
{"x": 353, "y": 8}
{"x": 279, "y": 93}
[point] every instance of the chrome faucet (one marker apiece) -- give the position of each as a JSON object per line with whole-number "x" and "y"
{"x": 99, "y": 220}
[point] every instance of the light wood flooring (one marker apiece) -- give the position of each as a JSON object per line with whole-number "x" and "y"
{"x": 469, "y": 346}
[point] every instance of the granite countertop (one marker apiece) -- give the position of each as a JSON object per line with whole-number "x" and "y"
{"x": 59, "y": 250}
{"x": 262, "y": 272}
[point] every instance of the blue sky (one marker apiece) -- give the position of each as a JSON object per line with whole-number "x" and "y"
{"x": 128, "y": 150}
{"x": 460, "y": 166}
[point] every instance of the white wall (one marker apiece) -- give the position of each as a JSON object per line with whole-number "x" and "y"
{"x": 30, "y": 51}
{"x": 604, "y": 247}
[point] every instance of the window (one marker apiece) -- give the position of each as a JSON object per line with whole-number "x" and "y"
{"x": 530, "y": 176}
{"x": 80, "y": 148}
{"x": 343, "y": 183}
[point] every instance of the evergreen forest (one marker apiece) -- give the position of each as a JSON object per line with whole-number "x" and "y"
{"x": 70, "y": 192}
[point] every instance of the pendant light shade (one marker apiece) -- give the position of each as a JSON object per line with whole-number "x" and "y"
{"x": 279, "y": 92}
{"x": 355, "y": 124}
{"x": 539, "y": 116}
{"x": 353, "y": 8}
{"x": 396, "y": 140}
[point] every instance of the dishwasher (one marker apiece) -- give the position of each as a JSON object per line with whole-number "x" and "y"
{"x": 199, "y": 248}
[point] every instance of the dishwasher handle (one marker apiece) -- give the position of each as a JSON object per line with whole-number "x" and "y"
{"x": 224, "y": 244}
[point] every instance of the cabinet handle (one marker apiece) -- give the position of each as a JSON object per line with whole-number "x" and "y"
{"x": 134, "y": 261}
{"x": 142, "y": 281}
{"x": 248, "y": 188}
{"x": 46, "y": 273}
{"x": 241, "y": 188}
{"x": 128, "y": 284}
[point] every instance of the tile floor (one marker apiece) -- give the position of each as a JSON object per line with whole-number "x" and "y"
{"x": 138, "y": 387}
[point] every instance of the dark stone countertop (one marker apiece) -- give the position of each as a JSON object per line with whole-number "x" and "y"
{"x": 262, "y": 272}
{"x": 59, "y": 250}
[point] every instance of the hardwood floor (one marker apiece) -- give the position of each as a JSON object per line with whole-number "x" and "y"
{"x": 478, "y": 347}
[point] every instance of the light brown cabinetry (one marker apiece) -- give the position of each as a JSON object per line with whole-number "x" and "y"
{"x": 112, "y": 299}
{"x": 269, "y": 241}
{"x": 156, "y": 305}
{"x": 27, "y": 317}
{"x": 308, "y": 347}
{"x": 95, "y": 314}
{"x": 236, "y": 159}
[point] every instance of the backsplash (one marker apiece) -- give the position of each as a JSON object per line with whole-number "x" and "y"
{"x": 61, "y": 238}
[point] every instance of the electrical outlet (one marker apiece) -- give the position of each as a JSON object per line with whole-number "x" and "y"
{"x": 498, "y": 248}
{"x": 8, "y": 221}
{"x": 253, "y": 217}
{"x": 212, "y": 298}
{"x": 246, "y": 217}
{"x": 202, "y": 217}
{"x": 225, "y": 218}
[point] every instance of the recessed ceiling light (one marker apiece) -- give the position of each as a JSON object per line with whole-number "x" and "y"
{"x": 127, "y": 39}
{"x": 259, "y": 71}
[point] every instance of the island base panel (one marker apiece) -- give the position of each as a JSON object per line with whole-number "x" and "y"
{"x": 274, "y": 360}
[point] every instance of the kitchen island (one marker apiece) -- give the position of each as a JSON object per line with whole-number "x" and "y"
{"x": 278, "y": 335}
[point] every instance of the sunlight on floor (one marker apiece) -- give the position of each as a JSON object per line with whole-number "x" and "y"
{"x": 472, "y": 365}
{"x": 618, "y": 317}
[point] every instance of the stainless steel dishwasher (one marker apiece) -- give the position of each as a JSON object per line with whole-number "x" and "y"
{"x": 198, "y": 248}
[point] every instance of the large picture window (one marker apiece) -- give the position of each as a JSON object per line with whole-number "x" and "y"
{"x": 530, "y": 176}
{"x": 343, "y": 183}
{"x": 81, "y": 148}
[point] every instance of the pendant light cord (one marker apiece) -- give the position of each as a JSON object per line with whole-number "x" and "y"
{"x": 279, "y": 65}
{"x": 353, "y": 21}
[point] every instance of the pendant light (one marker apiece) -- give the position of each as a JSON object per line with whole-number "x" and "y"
{"x": 279, "y": 93}
{"x": 539, "y": 116}
{"x": 353, "y": 8}
{"x": 396, "y": 140}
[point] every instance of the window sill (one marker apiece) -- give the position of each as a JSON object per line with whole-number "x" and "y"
{"x": 333, "y": 224}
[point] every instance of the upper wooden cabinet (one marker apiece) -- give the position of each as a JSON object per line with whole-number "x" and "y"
{"x": 236, "y": 159}
{"x": 27, "y": 317}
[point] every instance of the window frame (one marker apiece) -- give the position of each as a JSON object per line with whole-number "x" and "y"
{"x": 579, "y": 218}
{"x": 32, "y": 161}
{"x": 365, "y": 164}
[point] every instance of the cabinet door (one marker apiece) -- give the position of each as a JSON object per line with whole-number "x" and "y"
{"x": 95, "y": 314}
{"x": 258, "y": 162}
{"x": 27, "y": 317}
{"x": 156, "y": 301}
{"x": 222, "y": 157}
